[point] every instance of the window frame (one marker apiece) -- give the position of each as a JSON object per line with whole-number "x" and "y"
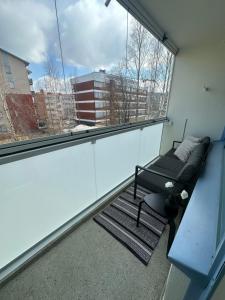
{"x": 23, "y": 149}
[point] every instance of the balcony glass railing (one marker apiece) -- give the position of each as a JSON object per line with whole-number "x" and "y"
{"x": 41, "y": 193}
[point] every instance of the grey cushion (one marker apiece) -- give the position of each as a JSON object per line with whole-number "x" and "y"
{"x": 206, "y": 140}
{"x": 197, "y": 155}
{"x": 187, "y": 173}
{"x": 194, "y": 139}
{"x": 173, "y": 165}
{"x": 167, "y": 172}
{"x": 193, "y": 164}
{"x": 184, "y": 150}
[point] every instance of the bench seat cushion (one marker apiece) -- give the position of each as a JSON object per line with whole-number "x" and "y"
{"x": 167, "y": 172}
{"x": 170, "y": 164}
{"x": 153, "y": 182}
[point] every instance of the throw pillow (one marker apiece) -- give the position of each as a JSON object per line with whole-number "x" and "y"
{"x": 194, "y": 139}
{"x": 184, "y": 150}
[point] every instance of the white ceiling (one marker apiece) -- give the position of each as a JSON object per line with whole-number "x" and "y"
{"x": 188, "y": 22}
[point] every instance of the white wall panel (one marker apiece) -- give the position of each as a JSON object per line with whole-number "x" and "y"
{"x": 40, "y": 193}
{"x": 116, "y": 157}
{"x": 150, "y": 139}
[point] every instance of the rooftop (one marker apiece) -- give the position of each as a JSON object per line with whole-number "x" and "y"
{"x": 17, "y": 57}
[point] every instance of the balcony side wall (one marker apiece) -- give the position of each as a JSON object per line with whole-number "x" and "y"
{"x": 205, "y": 110}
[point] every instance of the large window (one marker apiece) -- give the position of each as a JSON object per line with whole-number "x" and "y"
{"x": 77, "y": 62}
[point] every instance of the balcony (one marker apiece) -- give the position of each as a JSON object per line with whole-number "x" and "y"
{"x": 70, "y": 184}
{"x": 52, "y": 187}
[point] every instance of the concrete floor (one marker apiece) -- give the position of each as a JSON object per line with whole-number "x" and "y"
{"x": 90, "y": 264}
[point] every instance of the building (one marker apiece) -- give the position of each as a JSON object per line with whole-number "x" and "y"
{"x": 68, "y": 109}
{"x": 40, "y": 108}
{"x": 157, "y": 104}
{"x": 55, "y": 111}
{"x": 22, "y": 114}
{"x": 103, "y": 98}
{"x": 14, "y": 73}
{"x": 60, "y": 110}
{"x": 14, "y": 80}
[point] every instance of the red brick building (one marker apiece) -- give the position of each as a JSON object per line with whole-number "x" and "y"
{"x": 103, "y": 98}
{"x": 22, "y": 113}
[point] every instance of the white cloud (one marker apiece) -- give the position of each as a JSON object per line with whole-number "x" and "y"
{"x": 52, "y": 85}
{"x": 93, "y": 35}
{"x": 24, "y": 28}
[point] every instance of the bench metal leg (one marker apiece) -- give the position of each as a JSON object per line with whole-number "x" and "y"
{"x": 172, "y": 233}
{"x": 135, "y": 189}
{"x": 139, "y": 213}
{"x": 135, "y": 183}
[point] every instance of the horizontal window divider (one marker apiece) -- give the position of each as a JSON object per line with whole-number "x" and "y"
{"x": 25, "y": 149}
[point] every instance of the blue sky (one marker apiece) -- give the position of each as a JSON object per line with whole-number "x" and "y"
{"x": 92, "y": 35}
{"x": 70, "y": 70}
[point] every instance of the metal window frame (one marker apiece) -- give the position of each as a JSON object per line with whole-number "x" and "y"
{"x": 139, "y": 13}
{"x": 24, "y": 149}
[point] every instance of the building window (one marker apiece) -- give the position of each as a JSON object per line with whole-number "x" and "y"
{"x": 3, "y": 129}
{"x": 11, "y": 84}
{"x": 99, "y": 84}
{"x": 6, "y": 63}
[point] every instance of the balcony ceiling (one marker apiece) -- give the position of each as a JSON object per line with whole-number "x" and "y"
{"x": 188, "y": 23}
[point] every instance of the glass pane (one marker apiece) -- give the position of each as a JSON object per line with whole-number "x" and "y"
{"x": 77, "y": 65}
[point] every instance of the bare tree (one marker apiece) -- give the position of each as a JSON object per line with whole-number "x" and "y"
{"x": 138, "y": 55}
{"x": 160, "y": 66}
{"x": 52, "y": 85}
{"x": 166, "y": 71}
{"x": 4, "y": 110}
{"x": 52, "y": 81}
{"x": 119, "y": 95}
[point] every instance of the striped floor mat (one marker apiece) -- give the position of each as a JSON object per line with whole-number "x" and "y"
{"x": 119, "y": 219}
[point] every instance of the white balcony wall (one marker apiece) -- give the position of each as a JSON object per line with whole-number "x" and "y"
{"x": 195, "y": 68}
{"x": 41, "y": 193}
{"x": 117, "y": 156}
{"x": 149, "y": 143}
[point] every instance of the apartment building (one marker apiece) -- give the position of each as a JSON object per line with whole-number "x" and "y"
{"x": 40, "y": 108}
{"x": 103, "y": 98}
{"x": 55, "y": 111}
{"x": 14, "y": 73}
{"x": 157, "y": 104}
{"x": 68, "y": 108}
{"x": 14, "y": 80}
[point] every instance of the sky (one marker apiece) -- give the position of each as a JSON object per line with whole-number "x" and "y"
{"x": 93, "y": 36}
